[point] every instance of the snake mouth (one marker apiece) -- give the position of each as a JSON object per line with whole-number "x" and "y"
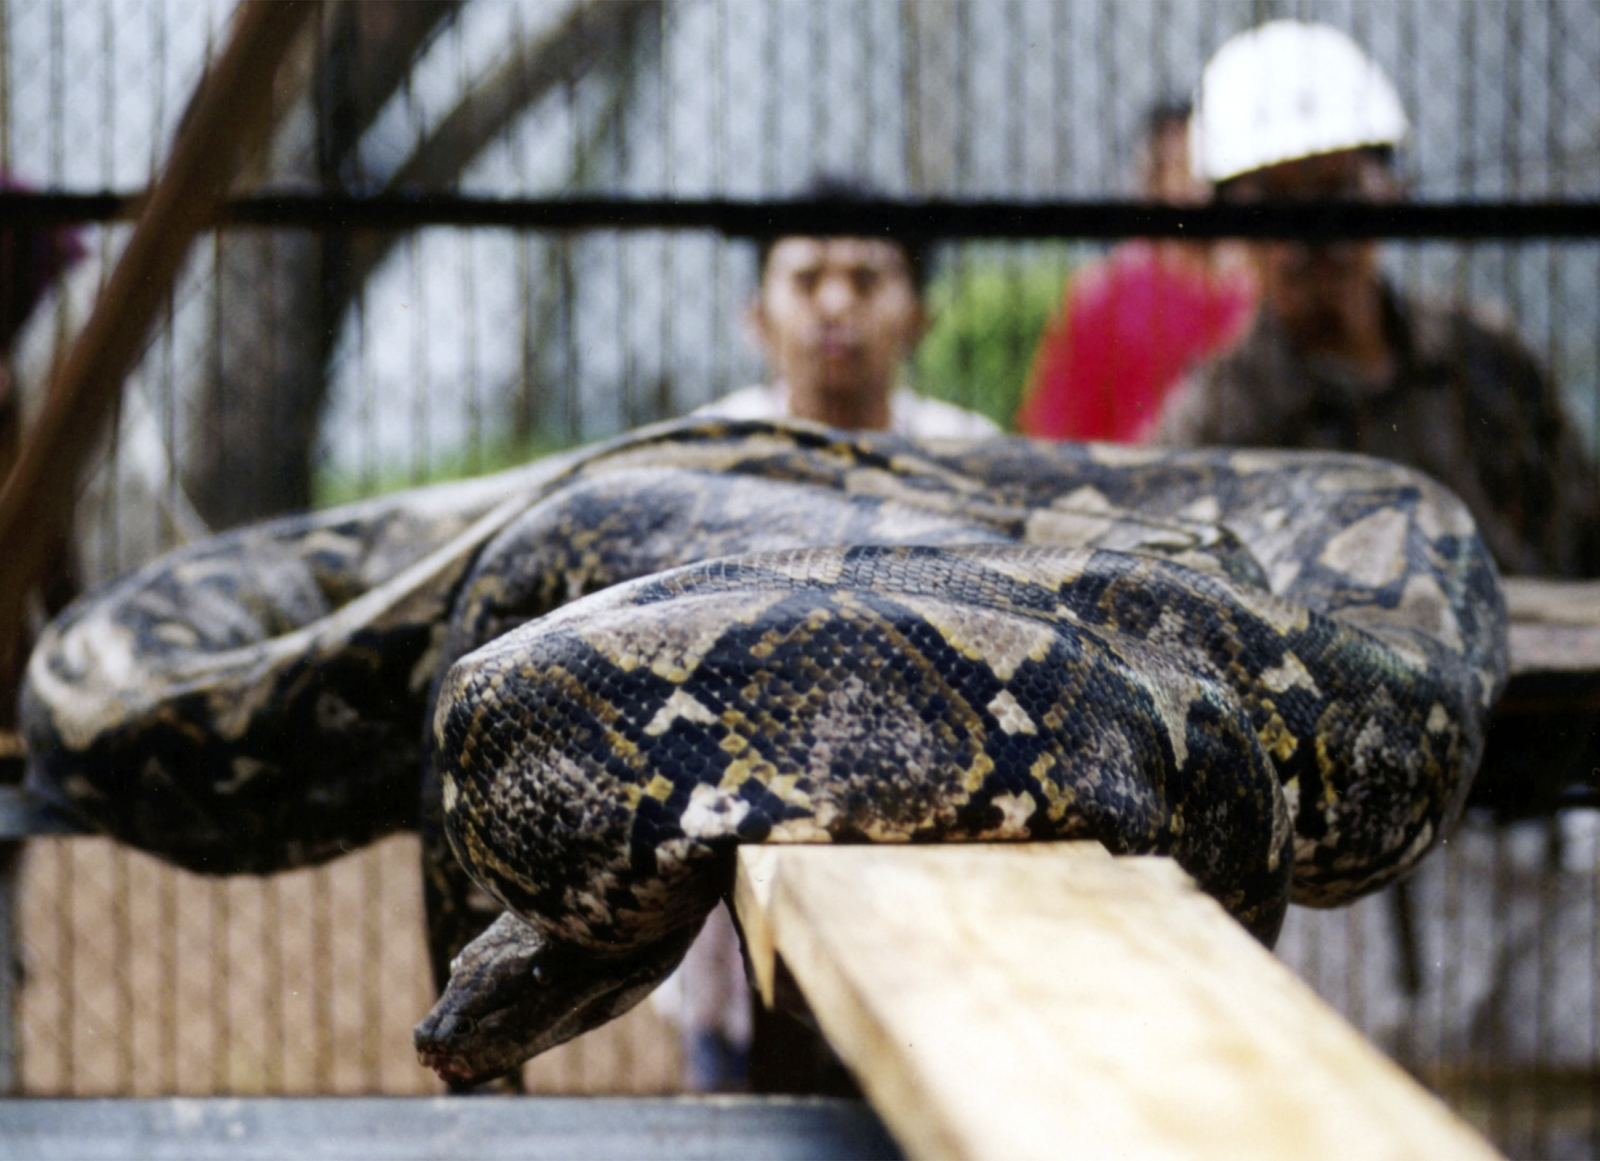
{"x": 444, "y": 1065}
{"x": 436, "y": 1054}
{"x": 458, "y": 1075}
{"x": 444, "y": 1044}
{"x": 453, "y": 1070}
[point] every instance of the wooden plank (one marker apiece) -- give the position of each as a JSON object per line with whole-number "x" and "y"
{"x": 752, "y": 902}
{"x": 1541, "y": 600}
{"x": 1047, "y": 1000}
{"x": 1554, "y": 648}
{"x": 1555, "y": 625}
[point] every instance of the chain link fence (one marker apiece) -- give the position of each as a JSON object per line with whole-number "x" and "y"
{"x": 301, "y": 367}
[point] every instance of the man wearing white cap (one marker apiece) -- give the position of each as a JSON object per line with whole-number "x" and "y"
{"x": 1336, "y": 358}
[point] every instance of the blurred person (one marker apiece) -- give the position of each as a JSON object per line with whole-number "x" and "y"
{"x": 836, "y": 318}
{"x": 1337, "y": 357}
{"x": 1131, "y": 324}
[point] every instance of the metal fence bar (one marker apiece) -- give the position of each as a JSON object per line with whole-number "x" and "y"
{"x": 398, "y": 1129}
{"x": 946, "y": 218}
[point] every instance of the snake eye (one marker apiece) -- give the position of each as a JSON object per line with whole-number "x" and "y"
{"x": 542, "y": 976}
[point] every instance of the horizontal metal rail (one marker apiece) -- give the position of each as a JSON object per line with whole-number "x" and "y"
{"x": 931, "y": 218}
{"x": 22, "y": 815}
{"x": 407, "y": 1129}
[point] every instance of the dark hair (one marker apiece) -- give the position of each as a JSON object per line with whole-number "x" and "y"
{"x": 1382, "y": 154}
{"x": 1165, "y": 115}
{"x": 831, "y": 189}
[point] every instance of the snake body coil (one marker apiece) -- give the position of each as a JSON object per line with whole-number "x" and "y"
{"x": 1274, "y": 667}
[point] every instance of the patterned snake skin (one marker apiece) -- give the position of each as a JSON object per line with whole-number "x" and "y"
{"x": 1274, "y": 667}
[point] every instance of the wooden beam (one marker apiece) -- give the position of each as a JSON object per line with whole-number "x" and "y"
{"x": 752, "y": 902}
{"x": 1532, "y": 600}
{"x": 1047, "y": 1000}
{"x": 1555, "y": 625}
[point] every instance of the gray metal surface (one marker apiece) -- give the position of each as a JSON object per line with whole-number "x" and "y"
{"x": 23, "y": 816}
{"x": 440, "y": 1128}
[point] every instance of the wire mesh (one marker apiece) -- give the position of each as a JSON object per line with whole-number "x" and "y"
{"x": 298, "y": 368}
{"x": 144, "y": 980}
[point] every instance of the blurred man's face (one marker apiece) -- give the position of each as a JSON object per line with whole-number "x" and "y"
{"x": 837, "y": 315}
{"x": 1165, "y": 175}
{"x": 1310, "y": 286}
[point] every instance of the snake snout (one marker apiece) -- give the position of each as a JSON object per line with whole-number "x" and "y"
{"x": 438, "y": 1028}
{"x": 441, "y": 1038}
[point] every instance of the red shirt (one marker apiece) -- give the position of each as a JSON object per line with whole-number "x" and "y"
{"x": 1130, "y": 327}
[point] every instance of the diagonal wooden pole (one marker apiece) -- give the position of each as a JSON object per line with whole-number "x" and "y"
{"x": 228, "y": 113}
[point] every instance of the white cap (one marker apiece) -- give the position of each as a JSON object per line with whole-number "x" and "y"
{"x": 1287, "y": 90}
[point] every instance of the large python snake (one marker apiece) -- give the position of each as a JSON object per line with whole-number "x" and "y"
{"x": 1274, "y": 667}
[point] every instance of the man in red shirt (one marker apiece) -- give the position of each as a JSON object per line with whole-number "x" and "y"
{"x": 1135, "y": 322}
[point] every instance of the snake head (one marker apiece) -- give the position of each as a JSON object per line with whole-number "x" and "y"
{"x": 515, "y": 993}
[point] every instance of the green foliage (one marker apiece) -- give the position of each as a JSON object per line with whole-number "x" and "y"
{"x": 988, "y": 312}
{"x": 989, "y": 307}
{"x": 333, "y": 487}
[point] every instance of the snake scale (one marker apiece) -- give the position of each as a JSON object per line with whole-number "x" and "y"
{"x": 610, "y": 668}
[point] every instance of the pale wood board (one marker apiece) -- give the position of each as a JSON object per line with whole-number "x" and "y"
{"x": 1552, "y": 602}
{"x": 1554, "y": 648}
{"x": 1046, "y": 1000}
{"x": 752, "y": 901}
{"x": 1555, "y": 625}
